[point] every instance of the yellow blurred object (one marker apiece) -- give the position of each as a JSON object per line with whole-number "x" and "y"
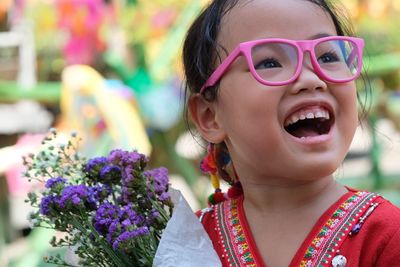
{"x": 104, "y": 118}
{"x": 215, "y": 181}
{"x": 4, "y": 6}
{"x": 378, "y": 8}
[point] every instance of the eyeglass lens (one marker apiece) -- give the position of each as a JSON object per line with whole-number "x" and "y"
{"x": 278, "y": 61}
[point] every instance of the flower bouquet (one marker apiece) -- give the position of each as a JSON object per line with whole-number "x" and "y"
{"x": 110, "y": 211}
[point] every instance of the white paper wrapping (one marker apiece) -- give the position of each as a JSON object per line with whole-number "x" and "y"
{"x": 184, "y": 242}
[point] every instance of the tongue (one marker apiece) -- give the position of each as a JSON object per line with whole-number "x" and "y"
{"x": 309, "y": 128}
{"x": 305, "y": 132}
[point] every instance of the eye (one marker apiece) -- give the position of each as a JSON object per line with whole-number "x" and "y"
{"x": 268, "y": 63}
{"x": 328, "y": 57}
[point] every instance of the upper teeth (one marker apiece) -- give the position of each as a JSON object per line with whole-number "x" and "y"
{"x": 307, "y": 114}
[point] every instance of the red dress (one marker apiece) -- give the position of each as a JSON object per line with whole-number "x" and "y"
{"x": 361, "y": 228}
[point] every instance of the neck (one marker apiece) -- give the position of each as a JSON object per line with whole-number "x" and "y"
{"x": 267, "y": 198}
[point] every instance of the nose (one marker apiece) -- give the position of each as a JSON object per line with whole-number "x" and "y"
{"x": 308, "y": 80}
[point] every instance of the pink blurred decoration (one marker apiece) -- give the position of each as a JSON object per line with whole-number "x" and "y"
{"x": 163, "y": 18}
{"x": 28, "y": 143}
{"x": 15, "y": 10}
{"x": 82, "y": 20}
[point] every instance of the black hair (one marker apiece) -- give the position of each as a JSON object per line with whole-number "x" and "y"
{"x": 200, "y": 49}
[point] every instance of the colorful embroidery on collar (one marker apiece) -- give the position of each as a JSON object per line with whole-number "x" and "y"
{"x": 324, "y": 245}
{"x": 321, "y": 250}
{"x": 236, "y": 248}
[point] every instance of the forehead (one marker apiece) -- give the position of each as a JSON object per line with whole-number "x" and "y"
{"x": 257, "y": 19}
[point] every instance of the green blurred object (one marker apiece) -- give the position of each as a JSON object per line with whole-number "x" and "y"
{"x": 375, "y": 155}
{"x": 38, "y": 247}
{"x": 160, "y": 69}
{"x": 45, "y": 92}
{"x": 382, "y": 64}
{"x": 391, "y": 194}
{"x": 132, "y": 2}
{"x": 140, "y": 82}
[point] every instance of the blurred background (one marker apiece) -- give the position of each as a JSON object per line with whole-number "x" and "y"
{"x": 111, "y": 70}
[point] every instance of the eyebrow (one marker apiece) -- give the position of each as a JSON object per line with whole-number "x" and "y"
{"x": 319, "y": 35}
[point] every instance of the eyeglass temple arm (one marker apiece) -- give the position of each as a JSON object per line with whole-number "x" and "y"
{"x": 352, "y": 56}
{"x": 221, "y": 69}
{"x": 354, "y": 53}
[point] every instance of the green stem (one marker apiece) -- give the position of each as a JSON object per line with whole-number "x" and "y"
{"x": 114, "y": 196}
{"x": 161, "y": 210}
{"x": 116, "y": 260}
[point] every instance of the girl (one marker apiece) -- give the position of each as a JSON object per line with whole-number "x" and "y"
{"x": 272, "y": 89}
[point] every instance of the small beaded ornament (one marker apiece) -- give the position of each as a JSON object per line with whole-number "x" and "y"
{"x": 214, "y": 164}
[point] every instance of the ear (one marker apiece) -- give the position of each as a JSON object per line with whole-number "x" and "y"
{"x": 204, "y": 116}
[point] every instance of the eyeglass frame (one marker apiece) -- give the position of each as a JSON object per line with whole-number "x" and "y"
{"x": 302, "y": 46}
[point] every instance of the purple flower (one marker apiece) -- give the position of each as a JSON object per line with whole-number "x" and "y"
{"x": 95, "y": 164}
{"x": 125, "y": 158}
{"x": 75, "y": 194}
{"x": 110, "y": 174}
{"x": 127, "y": 212}
{"x": 154, "y": 214}
{"x": 126, "y": 223}
{"x": 159, "y": 178}
{"x": 53, "y": 181}
{"x": 164, "y": 196}
{"x": 111, "y": 220}
{"x": 128, "y": 235}
{"x": 113, "y": 230}
{"x": 47, "y": 204}
{"x": 127, "y": 174}
{"x": 105, "y": 215}
{"x": 98, "y": 193}
{"x": 126, "y": 194}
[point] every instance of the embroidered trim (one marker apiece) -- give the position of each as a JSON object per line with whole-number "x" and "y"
{"x": 236, "y": 248}
{"x": 332, "y": 234}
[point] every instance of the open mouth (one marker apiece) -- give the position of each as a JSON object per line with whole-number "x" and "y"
{"x": 309, "y": 122}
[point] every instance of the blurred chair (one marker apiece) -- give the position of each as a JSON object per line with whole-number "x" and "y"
{"x": 21, "y": 36}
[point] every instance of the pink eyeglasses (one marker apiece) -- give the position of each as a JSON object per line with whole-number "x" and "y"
{"x": 274, "y": 62}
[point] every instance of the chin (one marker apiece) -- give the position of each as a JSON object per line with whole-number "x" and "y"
{"x": 317, "y": 170}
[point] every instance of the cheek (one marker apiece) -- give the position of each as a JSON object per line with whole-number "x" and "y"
{"x": 250, "y": 118}
{"x": 348, "y": 112}
{"x": 244, "y": 96}
{"x": 352, "y": 106}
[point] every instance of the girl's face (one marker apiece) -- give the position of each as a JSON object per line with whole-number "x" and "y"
{"x": 252, "y": 118}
